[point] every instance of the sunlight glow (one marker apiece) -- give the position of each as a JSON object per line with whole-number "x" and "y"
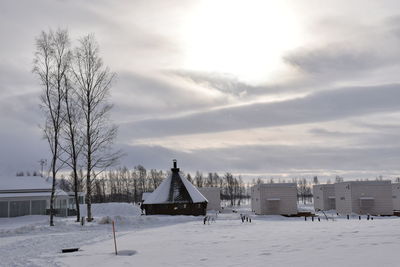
{"x": 243, "y": 38}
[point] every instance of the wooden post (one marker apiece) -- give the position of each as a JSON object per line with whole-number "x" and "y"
{"x": 115, "y": 241}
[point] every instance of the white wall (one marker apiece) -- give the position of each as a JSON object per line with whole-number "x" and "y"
{"x": 255, "y": 199}
{"x": 396, "y": 196}
{"x": 318, "y": 197}
{"x": 353, "y": 192}
{"x": 275, "y": 199}
{"x": 322, "y": 195}
{"x": 213, "y": 195}
{"x": 343, "y": 198}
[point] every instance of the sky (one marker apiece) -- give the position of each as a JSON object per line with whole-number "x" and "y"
{"x": 258, "y": 88}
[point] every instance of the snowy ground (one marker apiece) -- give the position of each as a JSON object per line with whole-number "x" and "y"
{"x": 186, "y": 241}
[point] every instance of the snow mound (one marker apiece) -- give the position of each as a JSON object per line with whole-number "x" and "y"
{"x": 112, "y": 209}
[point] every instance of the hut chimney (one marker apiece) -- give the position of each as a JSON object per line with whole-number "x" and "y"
{"x": 175, "y": 168}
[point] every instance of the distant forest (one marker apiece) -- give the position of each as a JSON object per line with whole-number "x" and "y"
{"x": 124, "y": 185}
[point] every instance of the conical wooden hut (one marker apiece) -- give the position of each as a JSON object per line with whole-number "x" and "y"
{"x": 175, "y": 196}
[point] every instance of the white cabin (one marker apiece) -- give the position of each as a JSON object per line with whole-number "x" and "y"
{"x": 29, "y": 195}
{"x": 364, "y": 197}
{"x": 274, "y": 199}
{"x": 324, "y": 197}
{"x": 213, "y": 195}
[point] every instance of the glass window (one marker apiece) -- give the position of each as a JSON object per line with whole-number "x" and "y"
{"x": 63, "y": 203}
{"x": 71, "y": 203}
{"x": 19, "y": 208}
{"x": 38, "y": 207}
{"x": 3, "y": 209}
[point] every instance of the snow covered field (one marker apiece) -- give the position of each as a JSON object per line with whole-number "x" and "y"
{"x": 186, "y": 241}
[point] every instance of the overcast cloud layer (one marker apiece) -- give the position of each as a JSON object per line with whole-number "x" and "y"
{"x": 327, "y": 104}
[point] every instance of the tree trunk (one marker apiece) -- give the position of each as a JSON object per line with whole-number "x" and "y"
{"x": 89, "y": 161}
{"x": 52, "y": 197}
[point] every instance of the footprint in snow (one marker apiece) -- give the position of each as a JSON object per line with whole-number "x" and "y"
{"x": 264, "y": 254}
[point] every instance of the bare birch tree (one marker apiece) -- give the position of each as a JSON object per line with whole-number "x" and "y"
{"x": 93, "y": 82}
{"x": 72, "y": 145}
{"x": 52, "y": 59}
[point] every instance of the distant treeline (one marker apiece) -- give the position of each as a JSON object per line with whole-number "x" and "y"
{"x": 124, "y": 185}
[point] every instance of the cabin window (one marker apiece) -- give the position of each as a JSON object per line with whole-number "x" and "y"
{"x": 38, "y": 207}
{"x": 342, "y": 198}
{"x": 175, "y": 208}
{"x": 63, "y": 203}
{"x": 19, "y": 208}
{"x": 3, "y": 209}
{"x": 394, "y": 196}
{"x": 184, "y": 206}
{"x": 317, "y": 197}
{"x": 199, "y": 205}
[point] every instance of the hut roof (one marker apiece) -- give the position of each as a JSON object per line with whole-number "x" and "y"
{"x": 175, "y": 189}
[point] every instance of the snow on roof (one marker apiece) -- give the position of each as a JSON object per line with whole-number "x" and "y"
{"x": 161, "y": 194}
{"x": 367, "y": 198}
{"x": 16, "y": 183}
{"x": 273, "y": 199}
{"x": 193, "y": 192}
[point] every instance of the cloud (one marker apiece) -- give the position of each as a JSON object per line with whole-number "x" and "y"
{"x": 272, "y": 160}
{"x": 140, "y": 96}
{"x": 332, "y": 103}
{"x": 334, "y": 58}
{"x": 317, "y": 107}
{"x": 350, "y": 51}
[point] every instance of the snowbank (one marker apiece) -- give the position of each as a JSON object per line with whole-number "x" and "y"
{"x": 112, "y": 209}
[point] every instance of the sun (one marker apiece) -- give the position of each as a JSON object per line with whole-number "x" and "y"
{"x": 243, "y": 38}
